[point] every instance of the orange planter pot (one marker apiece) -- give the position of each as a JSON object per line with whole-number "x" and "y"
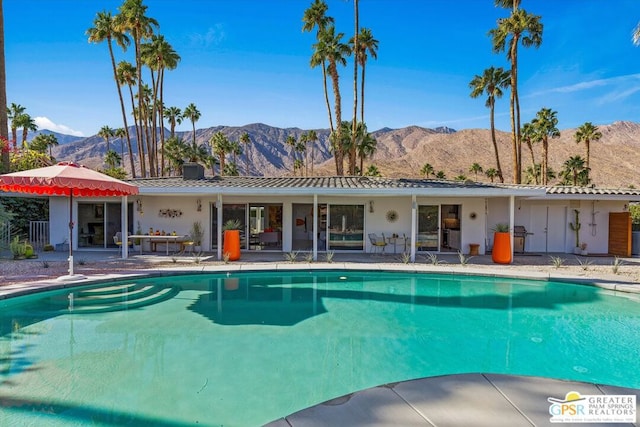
{"x": 231, "y": 244}
{"x": 501, "y": 253}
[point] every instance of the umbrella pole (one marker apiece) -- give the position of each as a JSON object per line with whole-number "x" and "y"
{"x": 71, "y": 232}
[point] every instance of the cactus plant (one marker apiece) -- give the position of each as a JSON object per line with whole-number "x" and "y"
{"x": 575, "y": 226}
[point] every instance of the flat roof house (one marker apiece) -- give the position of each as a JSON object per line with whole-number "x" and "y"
{"x": 317, "y": 214}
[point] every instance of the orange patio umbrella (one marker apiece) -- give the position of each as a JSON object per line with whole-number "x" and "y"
{"x": 66, "y": 179}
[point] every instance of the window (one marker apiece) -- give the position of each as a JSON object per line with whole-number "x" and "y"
{"x": 346, "y": 227}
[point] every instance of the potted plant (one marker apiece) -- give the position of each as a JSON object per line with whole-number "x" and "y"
{"x": 136, "y": 242}
{"x": 575, "y": 226}
{"x": 197, "y": 234}
{"x": 231, "y": 239}
{"x": 583, "y": 249}
{"x": 501, "y": 253}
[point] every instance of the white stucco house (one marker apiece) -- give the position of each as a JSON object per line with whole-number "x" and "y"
{"x": 319, "y": 214}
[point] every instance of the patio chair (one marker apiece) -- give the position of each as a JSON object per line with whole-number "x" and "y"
{"x": 117, "y": 239}
{"x": 377, "y": 243}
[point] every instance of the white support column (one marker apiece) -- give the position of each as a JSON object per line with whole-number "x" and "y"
{"x": 414, "y": 222}
{"x": 219, "y": 221}
{"x": 315, "y": 227}
{"x": 124, "y": 219}
{"x": 512, "y": 211}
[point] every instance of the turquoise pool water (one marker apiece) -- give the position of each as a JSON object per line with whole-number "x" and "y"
{"x": 244, "y": 349}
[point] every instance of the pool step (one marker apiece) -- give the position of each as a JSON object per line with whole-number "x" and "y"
{"x": 106, "y": 290}
{"x": 150, "y": 296}
{"x": 97, "y": 298}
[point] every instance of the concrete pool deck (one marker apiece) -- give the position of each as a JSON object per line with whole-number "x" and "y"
{"x": 477, "y": 399}
{"x": 450, "y": 401}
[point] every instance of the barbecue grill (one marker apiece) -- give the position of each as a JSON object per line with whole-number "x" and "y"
{"x": 519, "y": 235}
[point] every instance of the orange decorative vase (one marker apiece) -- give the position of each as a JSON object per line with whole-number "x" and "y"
{"x": 231, "y": 244}
{"x": 501, "y": 253}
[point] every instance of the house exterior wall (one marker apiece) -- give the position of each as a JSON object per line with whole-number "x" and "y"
{"x": 59, "y": 220}
{"x": 549, "y": 221}
{"x": 473, "y": 226}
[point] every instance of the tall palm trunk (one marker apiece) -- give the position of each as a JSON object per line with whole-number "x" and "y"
{"x": 122, "y": 109}
{"x": 545, "y": 159}
{"x": 352, "y": 151}
{"x": 517, "y": 111}
{"x": 4, "y": 120}
{"x": 362, "y": 96}
{"x": 161, "y": 77}
{"x": 141, "y": 154}
{"x": 338, "y": 149}
{"x": 495, "y": 143}
{"x": 326, "y": 95}
{"x": 138, "y": 133}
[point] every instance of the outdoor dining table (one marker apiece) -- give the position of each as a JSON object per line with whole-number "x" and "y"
{"x": 398, "y": 239}
{"x": 154, "y": 239}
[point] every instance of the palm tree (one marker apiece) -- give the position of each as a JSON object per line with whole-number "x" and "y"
{"x": 121, "y": 133}
{"x": 372, "y": 170}
{"x": 354, "y": 121}
{"x": 159, "y": 56}
{"x": 312, "y": 138}
{"x": 191, "y": 112}
{"x": 331, "y": 48}
{"x": 13, "y": 113}
{"x": 220, "y": 146}
{"x": 441, "y": 175}
{"x": 4, "y": 120}
{"x": 112, "y": 159}
{"x": 519, "y": 27}
{"x": 106, "y": 28}
{"x": 587, "y": 133}
{"x": 492, "y": 174}
{"x": 246, "y": 141}
{"x": 546, "y": 124}
{"x": 574, "y": 167}
{"x": 366, "y": 45}
{"x": 427, "y": 170}
{"x": 316, "y": 16}
{"x": 291, "y": 142}
{"x": 462, "y": 177}
{"x": 176, "y": 151}
{"x": 126, "y": 75}
{"x": 27, "y": 123}
{"x": 44, "y": 142}
{"x": 132, "y": 19}
{"x": 174, "y": 115}
{"x": 106, "y": 132}
{"x": 491, "y": 82}
{"x": 476, "y": 168}
{"x": 528, "y": 135}
{"x": 366, "y": 148}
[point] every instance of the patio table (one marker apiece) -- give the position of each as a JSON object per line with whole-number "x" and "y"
{"x": 399, "y": 239}
{"x": 155, "y": 239}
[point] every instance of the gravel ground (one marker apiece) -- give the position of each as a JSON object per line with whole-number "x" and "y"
{"x": 597, "y": 268}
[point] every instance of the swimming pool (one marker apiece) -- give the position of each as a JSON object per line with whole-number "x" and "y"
{"x": 244, "y": 349}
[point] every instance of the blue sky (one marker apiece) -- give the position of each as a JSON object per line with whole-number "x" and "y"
{"x": 247, "y": 61}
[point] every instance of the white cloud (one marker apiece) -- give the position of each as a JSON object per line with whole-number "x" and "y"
{"x": 213, "y": 37}
{"x": 46, "y": 123}
{"x": 630, "y": 78}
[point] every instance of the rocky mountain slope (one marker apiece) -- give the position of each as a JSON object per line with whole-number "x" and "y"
{"x": 403, "y": 152}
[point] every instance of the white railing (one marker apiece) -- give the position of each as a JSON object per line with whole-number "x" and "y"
{"x": 39, "y": 233}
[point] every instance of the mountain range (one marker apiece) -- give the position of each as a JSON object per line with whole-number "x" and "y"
{"x": 402, "y": 152}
